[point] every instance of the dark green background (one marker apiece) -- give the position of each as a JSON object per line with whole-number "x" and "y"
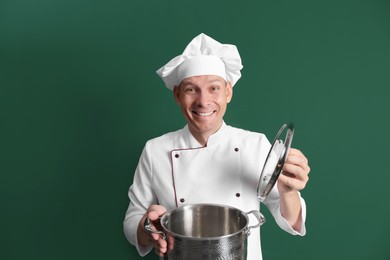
{"x": 79, "y": 98}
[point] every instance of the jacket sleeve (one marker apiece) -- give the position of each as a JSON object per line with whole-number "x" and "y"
{"x": 273, "y": 204}
{"x": 141, "y": 196}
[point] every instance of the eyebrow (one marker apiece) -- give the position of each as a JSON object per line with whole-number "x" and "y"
{"x": 186, "y": 83}
{"x": 216, "y": 81}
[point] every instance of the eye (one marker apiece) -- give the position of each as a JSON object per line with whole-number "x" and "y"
{"x": 215, "y": 88}
{"x": 189, "y": 90}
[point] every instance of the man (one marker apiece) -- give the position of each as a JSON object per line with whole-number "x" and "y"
{"x": 208, "y": 161}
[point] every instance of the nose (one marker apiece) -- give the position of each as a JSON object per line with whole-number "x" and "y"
{"x": 203, "y": 99}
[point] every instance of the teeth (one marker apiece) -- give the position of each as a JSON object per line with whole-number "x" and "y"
{"x": 204, "y": 114}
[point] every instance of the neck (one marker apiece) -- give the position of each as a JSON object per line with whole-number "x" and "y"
{"x": 202, "y": 139}
{"x": 203, "y": 136}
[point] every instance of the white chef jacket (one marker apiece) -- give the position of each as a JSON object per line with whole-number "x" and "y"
{"x": 174, "y": 170}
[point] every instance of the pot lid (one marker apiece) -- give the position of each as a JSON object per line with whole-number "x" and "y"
{"x": 276, "y": 158}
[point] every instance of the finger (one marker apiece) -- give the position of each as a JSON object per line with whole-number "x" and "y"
{"x": 294, "y": 171}
{"x": 159, "y": 253}
{"x": 292, "y": 183}
{"x": 297, "y": 157}
{"x": 152, "y": 236}
{"x": 295, "y": 151}
{"x": 160, "y": 210}
{"x": 153, "y": 215}
{"x": 160, "y": 247}
{"x": 155, "y": 236}
{"x": 163, "y": 244}
{"x": 298, "y": 161}
{"x": 171, "y": 241}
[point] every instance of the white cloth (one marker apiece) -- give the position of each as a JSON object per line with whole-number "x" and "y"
{"x": 203, "y": 56}
{"x": 174, "y": 167}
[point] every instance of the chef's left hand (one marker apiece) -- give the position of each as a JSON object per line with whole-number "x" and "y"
{"x": 295, "y": 172}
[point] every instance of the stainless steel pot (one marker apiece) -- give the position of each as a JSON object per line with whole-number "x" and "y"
{"x": 206, "y": 231}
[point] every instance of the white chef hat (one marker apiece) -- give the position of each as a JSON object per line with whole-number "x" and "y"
{"x": 203, "y": 56}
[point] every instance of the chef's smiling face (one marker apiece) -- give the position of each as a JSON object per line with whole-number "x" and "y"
{"x": 203, "y": 101}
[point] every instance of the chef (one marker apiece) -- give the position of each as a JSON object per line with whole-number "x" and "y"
{"x": 208, "y": 161}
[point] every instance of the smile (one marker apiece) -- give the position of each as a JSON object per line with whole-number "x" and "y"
{"x": 203, "y": 114}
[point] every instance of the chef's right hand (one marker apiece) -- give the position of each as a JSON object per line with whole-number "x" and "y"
{"x": 145, "y": 237}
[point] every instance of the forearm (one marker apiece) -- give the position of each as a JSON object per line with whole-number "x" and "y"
{"x": 291, "y": 209}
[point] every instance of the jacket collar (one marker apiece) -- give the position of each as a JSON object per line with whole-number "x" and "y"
{"x": 189, "y": 141}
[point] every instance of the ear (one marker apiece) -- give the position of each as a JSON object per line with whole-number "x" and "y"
{"x": 176, "y": 94}
{"x": 229, "y": 92}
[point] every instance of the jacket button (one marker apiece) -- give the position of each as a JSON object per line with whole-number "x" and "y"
{"x": 236, "y": 149}
{"x": 238, "y": 194}
{"x": 177, "y": 155}
{"x": 182, "y": 200}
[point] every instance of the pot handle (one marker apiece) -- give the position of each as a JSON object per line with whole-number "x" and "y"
{"x": 148, "y": 227}
{"x": 259, "y": 217}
